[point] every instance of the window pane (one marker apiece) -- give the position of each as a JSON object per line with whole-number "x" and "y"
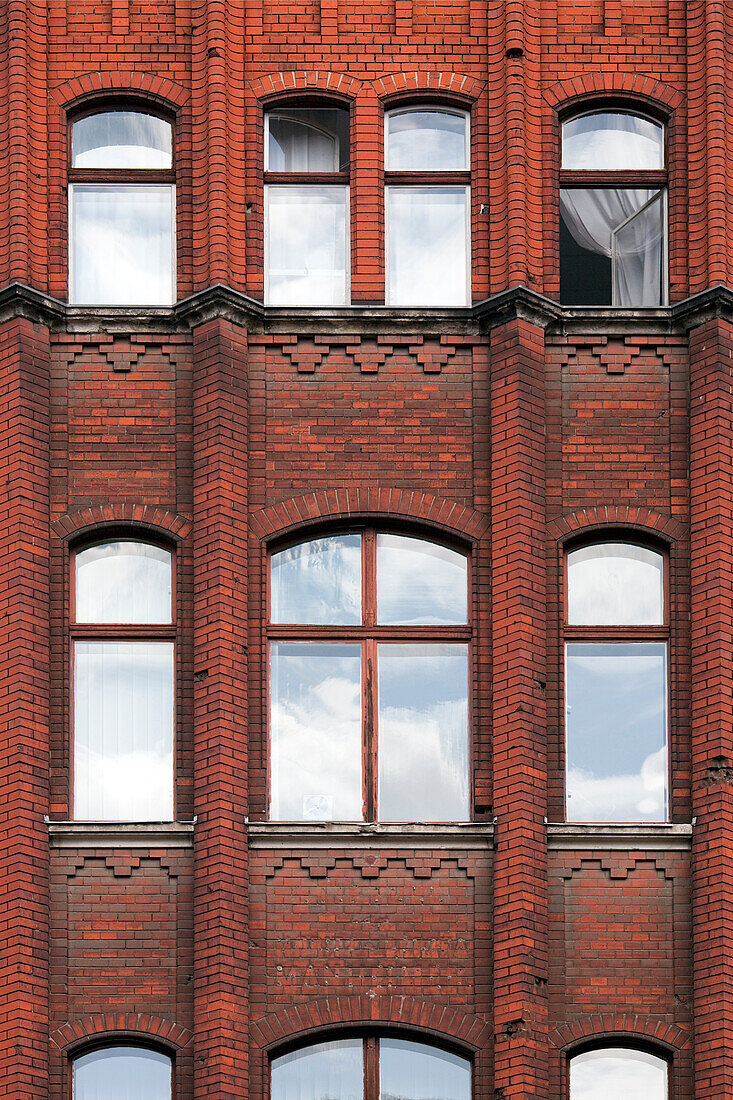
{"x": 616, "y": 728}
{"x": 307, "y": 253}
{"x": 122, "y": 1073}
{"x": 423, "y": 732}
{"x": 121, "y": 139}
{"x": 427, "y": 230}
{"x": 612, "y": 141}
{"x": 419, "y": 582}
{"x": 617, "y": 1072}
{"x": 594, "y": 261}
{"x": 324, "y": 1071}
{"x": 303, "y": 140}
{"x": 415, "y": 1071}
{"x": 615, "y": 584}
{"x": 317, "y": 582}
{"x": 315, "y": 723}
{"x": 123, "y": 731}
{"x": 123, "y": 582}
{"x": 427, "y": 141}
{"x": 122, "y": 244}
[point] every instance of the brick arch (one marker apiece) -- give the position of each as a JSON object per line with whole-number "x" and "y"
{"x": 86, "y": 520}
{"x": 329, "y": 1013}
{"x": 120, "y": 82}
{"x": 126, "y": 1025}
{"x": 457, "y": 85}
{"x": 619, "y": 1025}
{"x": 612, "y": 515}
{"x": 602, "y": 84}
{"x": 355, "y": 504}
{"x": 305, "y": 80}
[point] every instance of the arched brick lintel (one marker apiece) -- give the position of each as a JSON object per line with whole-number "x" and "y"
{"x": 644, "y": 520}
{"x": 305, "y": 80}
{"x": 85, "y": 521}
{"x": 120, "y": 82}
{"x": 604, "y": 84}
{"x": 354, "y": 504}
{"x": 332, "y": 1013}
{"x": 456, "y": 85}
{"x": 615, "y": 1026}
{"x": 112, "y": 1026}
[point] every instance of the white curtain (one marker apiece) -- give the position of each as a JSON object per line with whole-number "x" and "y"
{"x": 598, "y": 220}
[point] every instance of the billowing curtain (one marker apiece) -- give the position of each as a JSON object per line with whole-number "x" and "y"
{"x": 618, "y": 223}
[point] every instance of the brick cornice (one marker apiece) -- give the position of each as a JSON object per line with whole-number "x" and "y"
{"x": 619, "y": 1025}
{"x": 112, "y": 1026}
{"x": 139, "y": 516}
{"x": 330, "y": 1013}
{"x": 357, "y": 503}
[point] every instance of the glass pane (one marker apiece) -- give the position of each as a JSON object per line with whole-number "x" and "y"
{"x": 415, "y": 1071}
{"x": 616, "y": 728}
{"x": 427, "y": 230}
{"x": 123, "y": 582}
{"x": 303, "y": 140}
{"x": 123, "y": 731}
{"x": 423, "y": 732}
{"x": 638, "y": 257}
{"x": 612, "y": 141}
{"x": 615, "y": 584}
{"x": 420, "y": 582}
{"x": 617, "y": 1072}
{"x": 307, "y": 259}
{"x": 122, "y": 244}
{"x": 317, "y": 582}
{"x": 324, "y": 1071}
{"x": 122, "y": 1073}
{"x": 315, "y": 732}
{"x": 427, "y": 141}
{"x": 121, "y": 139}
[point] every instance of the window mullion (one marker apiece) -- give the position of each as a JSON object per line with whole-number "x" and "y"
{"x": 370, "y": 730}
{"x": 371, "y": 1068}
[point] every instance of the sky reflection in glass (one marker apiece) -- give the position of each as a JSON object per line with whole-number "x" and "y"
{"x": 616, "y": 728}
{"x": 121, "y": 139}
{"x": 420, "y": 582}
{"x": 307, "y": 247}
{"x": 427, "y": 231}
{"x": 612, "y": 141}
{"x": 317, "y": 582}
{"x": 615, "y": 584}
{"x": 123, "y": 582}
{"x": 315, "y": 721}
{"x": 426, "y": 141}
{"x": 423, "y": 732}
{"x": 324, "y": 1071}
{"x": 122, "y": 1073}
{"x": 416, "y": 1071}
{"x": 618, "y": 1073}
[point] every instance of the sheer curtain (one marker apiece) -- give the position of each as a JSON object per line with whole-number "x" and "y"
{"x": 602, "y": 220}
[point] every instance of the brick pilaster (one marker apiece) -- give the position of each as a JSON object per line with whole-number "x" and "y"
{"x": 711, "y": 502}
{"x": 24, "y": 710}
{"x": 519, "y": 752}
{"x": 220, "y": 711}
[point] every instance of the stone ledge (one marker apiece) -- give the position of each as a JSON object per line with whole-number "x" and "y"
{"x": 327, "y": 834}
{"x": 103, "y": 834}
{"x": 660, "y": 838}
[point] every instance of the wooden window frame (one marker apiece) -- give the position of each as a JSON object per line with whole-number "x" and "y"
{"x": 119, "y": 632}
{"x": 369, "y": 635}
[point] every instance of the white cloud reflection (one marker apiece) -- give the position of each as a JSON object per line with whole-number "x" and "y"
{"x": 621, "y": 797}
{"x": 618, "y": 1074}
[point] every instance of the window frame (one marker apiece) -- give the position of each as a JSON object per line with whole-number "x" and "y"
{"x": 305, "y": 179}
{"x": 138, "y": 176}
{"x": 613, "y": 180}
{"x": 448, "y": 178}
{"x": 570, "y": 633}
{"x": 623, "y": 1042}
{"x": 108, "y": 1042}
{"x": 120, "y": 632}
{"x": 369, "y": 636}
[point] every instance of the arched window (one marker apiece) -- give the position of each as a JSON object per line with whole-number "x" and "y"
{"x": 369, "y": 679}
{"x": 613, "y": 211}
{"x": 428, "y": 207}
{"x": 122, "y": 1073}
{"x": 121, "y": 210}
{"x": 123, "y": 682}
{"x": 371, "y": 1068}
{"x": 307, "y": 241}
{"x": 616, "y": 640}
{"x": 608, "y": 1073}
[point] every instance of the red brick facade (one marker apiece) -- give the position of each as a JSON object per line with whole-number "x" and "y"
{"x": 509, "y": 427}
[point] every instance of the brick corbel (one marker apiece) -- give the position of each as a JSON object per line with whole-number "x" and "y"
{"x": 153, "y": 1030}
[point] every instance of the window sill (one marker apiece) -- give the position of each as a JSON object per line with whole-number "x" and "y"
{"x": 114, "y": 834}
{"x": 658, "y": 837}
{"x": 327, "y": 834}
